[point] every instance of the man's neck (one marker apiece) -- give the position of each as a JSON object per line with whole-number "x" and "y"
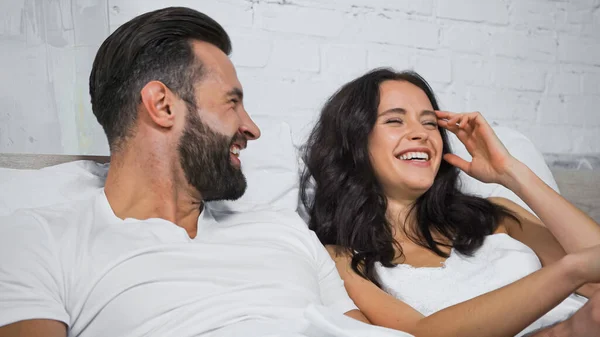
{"x": 142, "y": 186}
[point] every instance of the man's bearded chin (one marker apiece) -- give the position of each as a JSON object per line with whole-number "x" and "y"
{"x": 205, "y": 158}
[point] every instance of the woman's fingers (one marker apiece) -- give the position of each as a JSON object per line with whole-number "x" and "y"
{"x": 457, "y": 161}
{"x": 456, "y": 122}
{"x": 464, "y": 122}
{"x": 443, "y": 114}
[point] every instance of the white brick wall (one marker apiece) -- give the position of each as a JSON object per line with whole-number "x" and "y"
{"x": 530, "y": 64}
{"x": 494, "y": 12}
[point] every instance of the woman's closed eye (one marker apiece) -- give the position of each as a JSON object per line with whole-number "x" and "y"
{"x": 394, "y": 121}
{"x": 430, "y": 123}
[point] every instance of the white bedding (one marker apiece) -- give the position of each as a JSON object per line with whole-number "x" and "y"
{"x": 271, "y": 167}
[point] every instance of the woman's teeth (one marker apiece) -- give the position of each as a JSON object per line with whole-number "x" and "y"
{"x": 415, "y": 155}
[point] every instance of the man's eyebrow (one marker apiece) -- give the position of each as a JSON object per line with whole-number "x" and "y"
{"x": 236, "y": 92}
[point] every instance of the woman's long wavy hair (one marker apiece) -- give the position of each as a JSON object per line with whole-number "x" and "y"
{"x": 347, "y": 207}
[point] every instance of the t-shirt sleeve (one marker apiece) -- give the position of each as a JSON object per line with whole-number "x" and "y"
{"x": 31, "y": 282}
{"x": 333, "y": 292}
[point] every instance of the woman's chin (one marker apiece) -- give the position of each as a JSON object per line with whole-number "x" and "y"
{"x": 421, "y": 187}
{"x": 411, "y": 189}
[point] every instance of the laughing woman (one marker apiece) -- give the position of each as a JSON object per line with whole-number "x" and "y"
{"x": 418, "y": 255}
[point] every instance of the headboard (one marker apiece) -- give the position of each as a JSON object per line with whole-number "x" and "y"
{"x": 38, "y": 161}
{"x": 581, "y": 187}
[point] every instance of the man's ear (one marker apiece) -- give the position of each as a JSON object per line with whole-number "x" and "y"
{"x": 157, "y": 100}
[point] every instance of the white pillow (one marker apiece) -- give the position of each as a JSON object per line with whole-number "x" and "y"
{"x": 268, "y": 163}
{"x": 20, "y": 189}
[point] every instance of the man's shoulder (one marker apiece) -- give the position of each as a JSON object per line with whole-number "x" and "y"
{"x": 55, "y": 218}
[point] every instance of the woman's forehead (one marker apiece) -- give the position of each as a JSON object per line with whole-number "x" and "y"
{"x": 402, "y": 95}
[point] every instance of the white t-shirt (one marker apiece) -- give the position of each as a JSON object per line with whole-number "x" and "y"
{"x": 103, "y": 276}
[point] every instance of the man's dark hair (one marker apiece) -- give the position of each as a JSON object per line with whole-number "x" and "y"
{"x": 155, "y": 46}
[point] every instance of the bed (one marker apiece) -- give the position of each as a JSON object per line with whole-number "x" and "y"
{"x": 271, "y": 166}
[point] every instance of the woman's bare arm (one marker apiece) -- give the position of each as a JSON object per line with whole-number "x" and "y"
{"x": 530, "y": 231}
{"x": 571, "y": 227}
{"x": 503, "y": 312}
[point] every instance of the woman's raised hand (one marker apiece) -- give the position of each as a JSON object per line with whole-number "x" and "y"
{"x": 491, "y": 161}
